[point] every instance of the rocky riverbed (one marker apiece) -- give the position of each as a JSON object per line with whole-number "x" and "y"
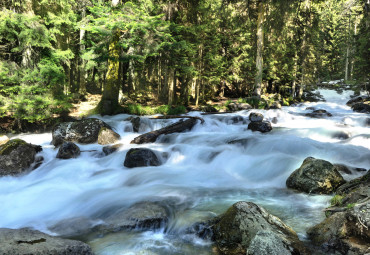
{"x": 293, "y": 180}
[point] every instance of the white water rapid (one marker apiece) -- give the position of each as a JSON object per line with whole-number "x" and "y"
{"x": 202, "y": 175}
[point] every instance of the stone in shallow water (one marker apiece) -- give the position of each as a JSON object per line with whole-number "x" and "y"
{"x": 68, "y": 150}
{"x": 315, "y": 176}
{"x": 26, "y": 241}
{"x": 17, "y": 156}
{"x": 139, "y": 157}
{"x": 255, "y": 117}
{"x": 262, "y": 126}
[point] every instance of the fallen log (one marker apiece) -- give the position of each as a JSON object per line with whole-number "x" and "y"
{"x": 176, "y": 117}
{"x": 177, "y": 127}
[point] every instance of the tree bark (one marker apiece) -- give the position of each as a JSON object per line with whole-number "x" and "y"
{"x": 259, "y": 58}
{"x": 109, "y": 101}
{"x": 82, "y": 88}
{"x": 177, "y": 127}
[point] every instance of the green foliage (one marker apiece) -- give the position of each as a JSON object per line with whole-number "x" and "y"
{"x": 137, "y": 109}
{"x": 336, "y": 200}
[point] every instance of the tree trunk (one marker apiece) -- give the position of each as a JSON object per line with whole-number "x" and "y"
{"x": 82, "y": 88}
{"x": 109, "y": 101}
{"x": 259, "y": 58}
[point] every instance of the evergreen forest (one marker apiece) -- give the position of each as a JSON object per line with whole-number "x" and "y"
{"x": 172, "y": 53}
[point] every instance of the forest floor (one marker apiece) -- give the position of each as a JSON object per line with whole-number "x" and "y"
{"x": 82, "y": 108}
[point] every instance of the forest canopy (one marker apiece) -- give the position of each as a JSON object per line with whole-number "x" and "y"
{"x": 174, "y": 52}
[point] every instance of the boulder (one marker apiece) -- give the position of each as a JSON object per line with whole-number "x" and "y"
{"x": 26, "y": 241}
{"x": 262, "y": 126}
{"x": 85, "y": 131}
{"x": 3, "y": 139}
{"x": 315, "y": 176}
{"x": 255, "y": 117}
{"x": 246, "y": 226}
{"x": 361, "y": 107}
{"x": 244, "y": 106}
{"x": 347, "y": 228}
{"x": 107, "y": 150}
{"x": 143, "y": 215}
{"x": 236, "y": 119}
{"x": 358, "y": 99}
{"x": 17, "y": 156}
{"x": 319, "y": 114}
{"x": 208, "y": 108}
{"x": 107, "y": 136}
{"x": 140, "y": 157}
{"x": 135, "y": 121}
{"x": 233, "y": 107}
{"x": 341, "y": 135}
{"x": 68, "y": 150}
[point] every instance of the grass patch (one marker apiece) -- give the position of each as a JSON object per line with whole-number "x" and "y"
{"x": 137, "y": 109}
{"x": 336, "y": 200}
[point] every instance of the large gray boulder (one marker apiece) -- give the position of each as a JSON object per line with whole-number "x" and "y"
{"x": 247, "y": 228}
{"x": 315, "y": 176}
{"x": 26, "y": 242}
{"x": 17, "y": 156}
{"x": 143, "y": 215}
{"x": 85, "y": 131}
{"x": 139, "y": 157}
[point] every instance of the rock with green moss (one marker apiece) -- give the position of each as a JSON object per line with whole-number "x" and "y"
{"x": 17, "y": 156}
{"x": 247, "y": 228}
{"x": 347, "y": 227}
{"x": 140, "y": 157}
{"x": 85, "y": 131}
{"x": 107, "y": 136}
{"x": 315, "y": 176}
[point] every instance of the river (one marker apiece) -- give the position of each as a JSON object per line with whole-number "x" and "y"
{"x": 202, "y": 175}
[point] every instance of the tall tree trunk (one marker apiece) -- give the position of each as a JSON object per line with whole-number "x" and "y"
{"x": 259, "y": 58}
{"x": 109, "y": 101}
{"x": 82, "y": 88}
{"x": 304, "y": 50}
{"x": 295, "y": 67}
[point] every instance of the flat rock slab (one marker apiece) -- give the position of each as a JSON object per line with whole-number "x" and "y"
{"x": 26, "y": 242}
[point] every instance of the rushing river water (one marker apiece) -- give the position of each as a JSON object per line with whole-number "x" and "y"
{"x": 202, "y": 175}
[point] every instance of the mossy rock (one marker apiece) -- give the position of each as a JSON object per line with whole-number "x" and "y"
{"x": 315, "y": 176}
{"x": 7, "y": 148}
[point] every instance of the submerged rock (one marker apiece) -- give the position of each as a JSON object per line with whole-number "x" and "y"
{"x": 26, "y": 241}
{"x": 85, "y": 131}
{"x": 140, "y": 157}
{"x": 107, "y": 150}
{"x": 247, "y": 228}
{"x": 262, "y": 126}
{"x": 143, "y": 215}
{"x": 68, "y": 150}
{"x": 17, "y": 156}
{"x": 315, "y": 176}
{"x": 107, "y": 136}
{"x": 136, "y": 121}
{"x": 73, "y": 227}
{"x": 341, "y": 135}
{"x": 319, "y": 114}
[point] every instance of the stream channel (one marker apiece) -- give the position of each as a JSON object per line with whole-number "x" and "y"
{"x": 201, "y": 176}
